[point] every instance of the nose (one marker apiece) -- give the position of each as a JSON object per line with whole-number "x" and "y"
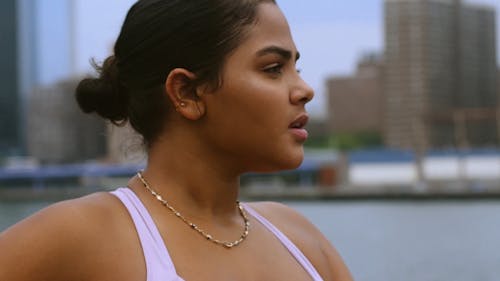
{"x": 301, "y": 93}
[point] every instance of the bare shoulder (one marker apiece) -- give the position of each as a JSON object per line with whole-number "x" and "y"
{"x": 79, "y": 215}
{"x": 307, "y": 238}
{"x": 50, "y": 241}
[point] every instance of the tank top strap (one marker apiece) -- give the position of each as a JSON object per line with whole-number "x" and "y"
{"x": 159, "y": 265}
{"x": 292, "y": 248}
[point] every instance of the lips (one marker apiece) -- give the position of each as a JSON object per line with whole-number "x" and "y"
{"x": 300, "y": 122}
{"x": 297, "y": 128}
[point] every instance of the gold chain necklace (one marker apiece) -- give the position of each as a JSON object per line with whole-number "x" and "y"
{"x": 207, "y": 236}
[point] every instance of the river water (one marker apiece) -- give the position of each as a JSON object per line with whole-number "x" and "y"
{"x": 393, "y": 240}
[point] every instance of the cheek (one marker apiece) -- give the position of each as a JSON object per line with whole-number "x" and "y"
{"x": 250, "y": 121}
{"x": 253, "y": 100}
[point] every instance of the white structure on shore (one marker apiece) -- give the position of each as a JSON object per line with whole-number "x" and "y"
{"x": 464, "y": 171}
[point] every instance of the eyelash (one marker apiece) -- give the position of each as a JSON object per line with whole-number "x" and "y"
{"x": 274, "y": 68}
{"x": 278, "y": 69}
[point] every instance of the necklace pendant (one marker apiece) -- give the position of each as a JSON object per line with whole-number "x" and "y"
{"x": 225, "y": 244}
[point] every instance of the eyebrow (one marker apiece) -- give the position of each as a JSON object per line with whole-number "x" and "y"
{"x": 277, "y": 50}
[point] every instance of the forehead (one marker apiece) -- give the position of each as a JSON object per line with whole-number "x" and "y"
{"x": 271, "y": 29}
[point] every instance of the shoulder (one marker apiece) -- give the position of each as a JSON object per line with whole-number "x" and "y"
{"x": 306, "y": 237}
{"x": 52, "y": 240}
{"x": 77, "y": 215}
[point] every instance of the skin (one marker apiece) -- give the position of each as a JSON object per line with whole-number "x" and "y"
{"x": 212, "y": 138}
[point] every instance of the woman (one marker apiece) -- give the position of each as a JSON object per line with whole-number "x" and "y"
{"x": 212, "y": 87}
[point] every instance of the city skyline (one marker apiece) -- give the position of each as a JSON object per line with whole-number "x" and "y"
{"x": 439, "y": 65}
{"x": 337, "y": 33}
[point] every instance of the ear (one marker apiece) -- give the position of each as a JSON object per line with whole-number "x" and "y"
{"x": 182, "y": 95}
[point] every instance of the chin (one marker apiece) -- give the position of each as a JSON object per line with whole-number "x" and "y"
{"x": 294, "y": 164}
{"x": 293, "y": 159}
{"x": 289, "y": 161}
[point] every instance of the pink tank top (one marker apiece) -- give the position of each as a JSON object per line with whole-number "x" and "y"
{"x": 159, "y": 265}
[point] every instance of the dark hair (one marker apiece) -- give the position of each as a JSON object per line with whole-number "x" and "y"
{"x": 156, "y": 37}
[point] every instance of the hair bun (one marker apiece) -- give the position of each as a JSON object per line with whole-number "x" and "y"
{"x": 104, "y": 95}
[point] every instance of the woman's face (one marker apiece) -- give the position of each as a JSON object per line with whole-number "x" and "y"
{"x": 256, "y": 117}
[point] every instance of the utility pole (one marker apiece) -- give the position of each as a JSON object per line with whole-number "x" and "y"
{"x": 420, "y": 149}
{"x": 460, "y": 124}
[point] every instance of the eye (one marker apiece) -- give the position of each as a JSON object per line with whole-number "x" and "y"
{"x": 299, "y": 70}
{"x": 275, "y": 68}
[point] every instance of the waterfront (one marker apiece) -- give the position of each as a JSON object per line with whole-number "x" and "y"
{"x": 433, "y": 240}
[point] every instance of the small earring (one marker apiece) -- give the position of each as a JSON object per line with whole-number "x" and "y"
{"x": 181, "y": 104}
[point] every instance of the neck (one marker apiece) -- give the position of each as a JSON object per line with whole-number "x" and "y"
{"x": 192, "y": 178}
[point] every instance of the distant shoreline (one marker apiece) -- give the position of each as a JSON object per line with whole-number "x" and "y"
{"x": 271, "y": 194}
{"x": 378, "y": 197}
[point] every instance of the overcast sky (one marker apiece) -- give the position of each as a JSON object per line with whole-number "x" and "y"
{"x": 330, "y": 34}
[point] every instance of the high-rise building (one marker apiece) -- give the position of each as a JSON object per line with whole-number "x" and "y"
{"x": 440, "y": 78}
{"x": 355, "y": 102}
{"x": 9, "y": 98}
{"x": 35, "y": 50}
{"x": 58, "y": 131}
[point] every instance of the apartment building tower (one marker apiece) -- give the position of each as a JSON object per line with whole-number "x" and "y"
{"x": 58, "y": 131}
{"x": 440, "y": 74}
{"x": 355, "y": 102}
{"x": 9, "y": 98}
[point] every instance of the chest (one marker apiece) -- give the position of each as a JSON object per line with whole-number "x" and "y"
{"x": 262, "y": 256}
{"x": 177, "y": 250}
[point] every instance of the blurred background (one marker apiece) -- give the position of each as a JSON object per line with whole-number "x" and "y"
{"x": 402, "y": 167}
